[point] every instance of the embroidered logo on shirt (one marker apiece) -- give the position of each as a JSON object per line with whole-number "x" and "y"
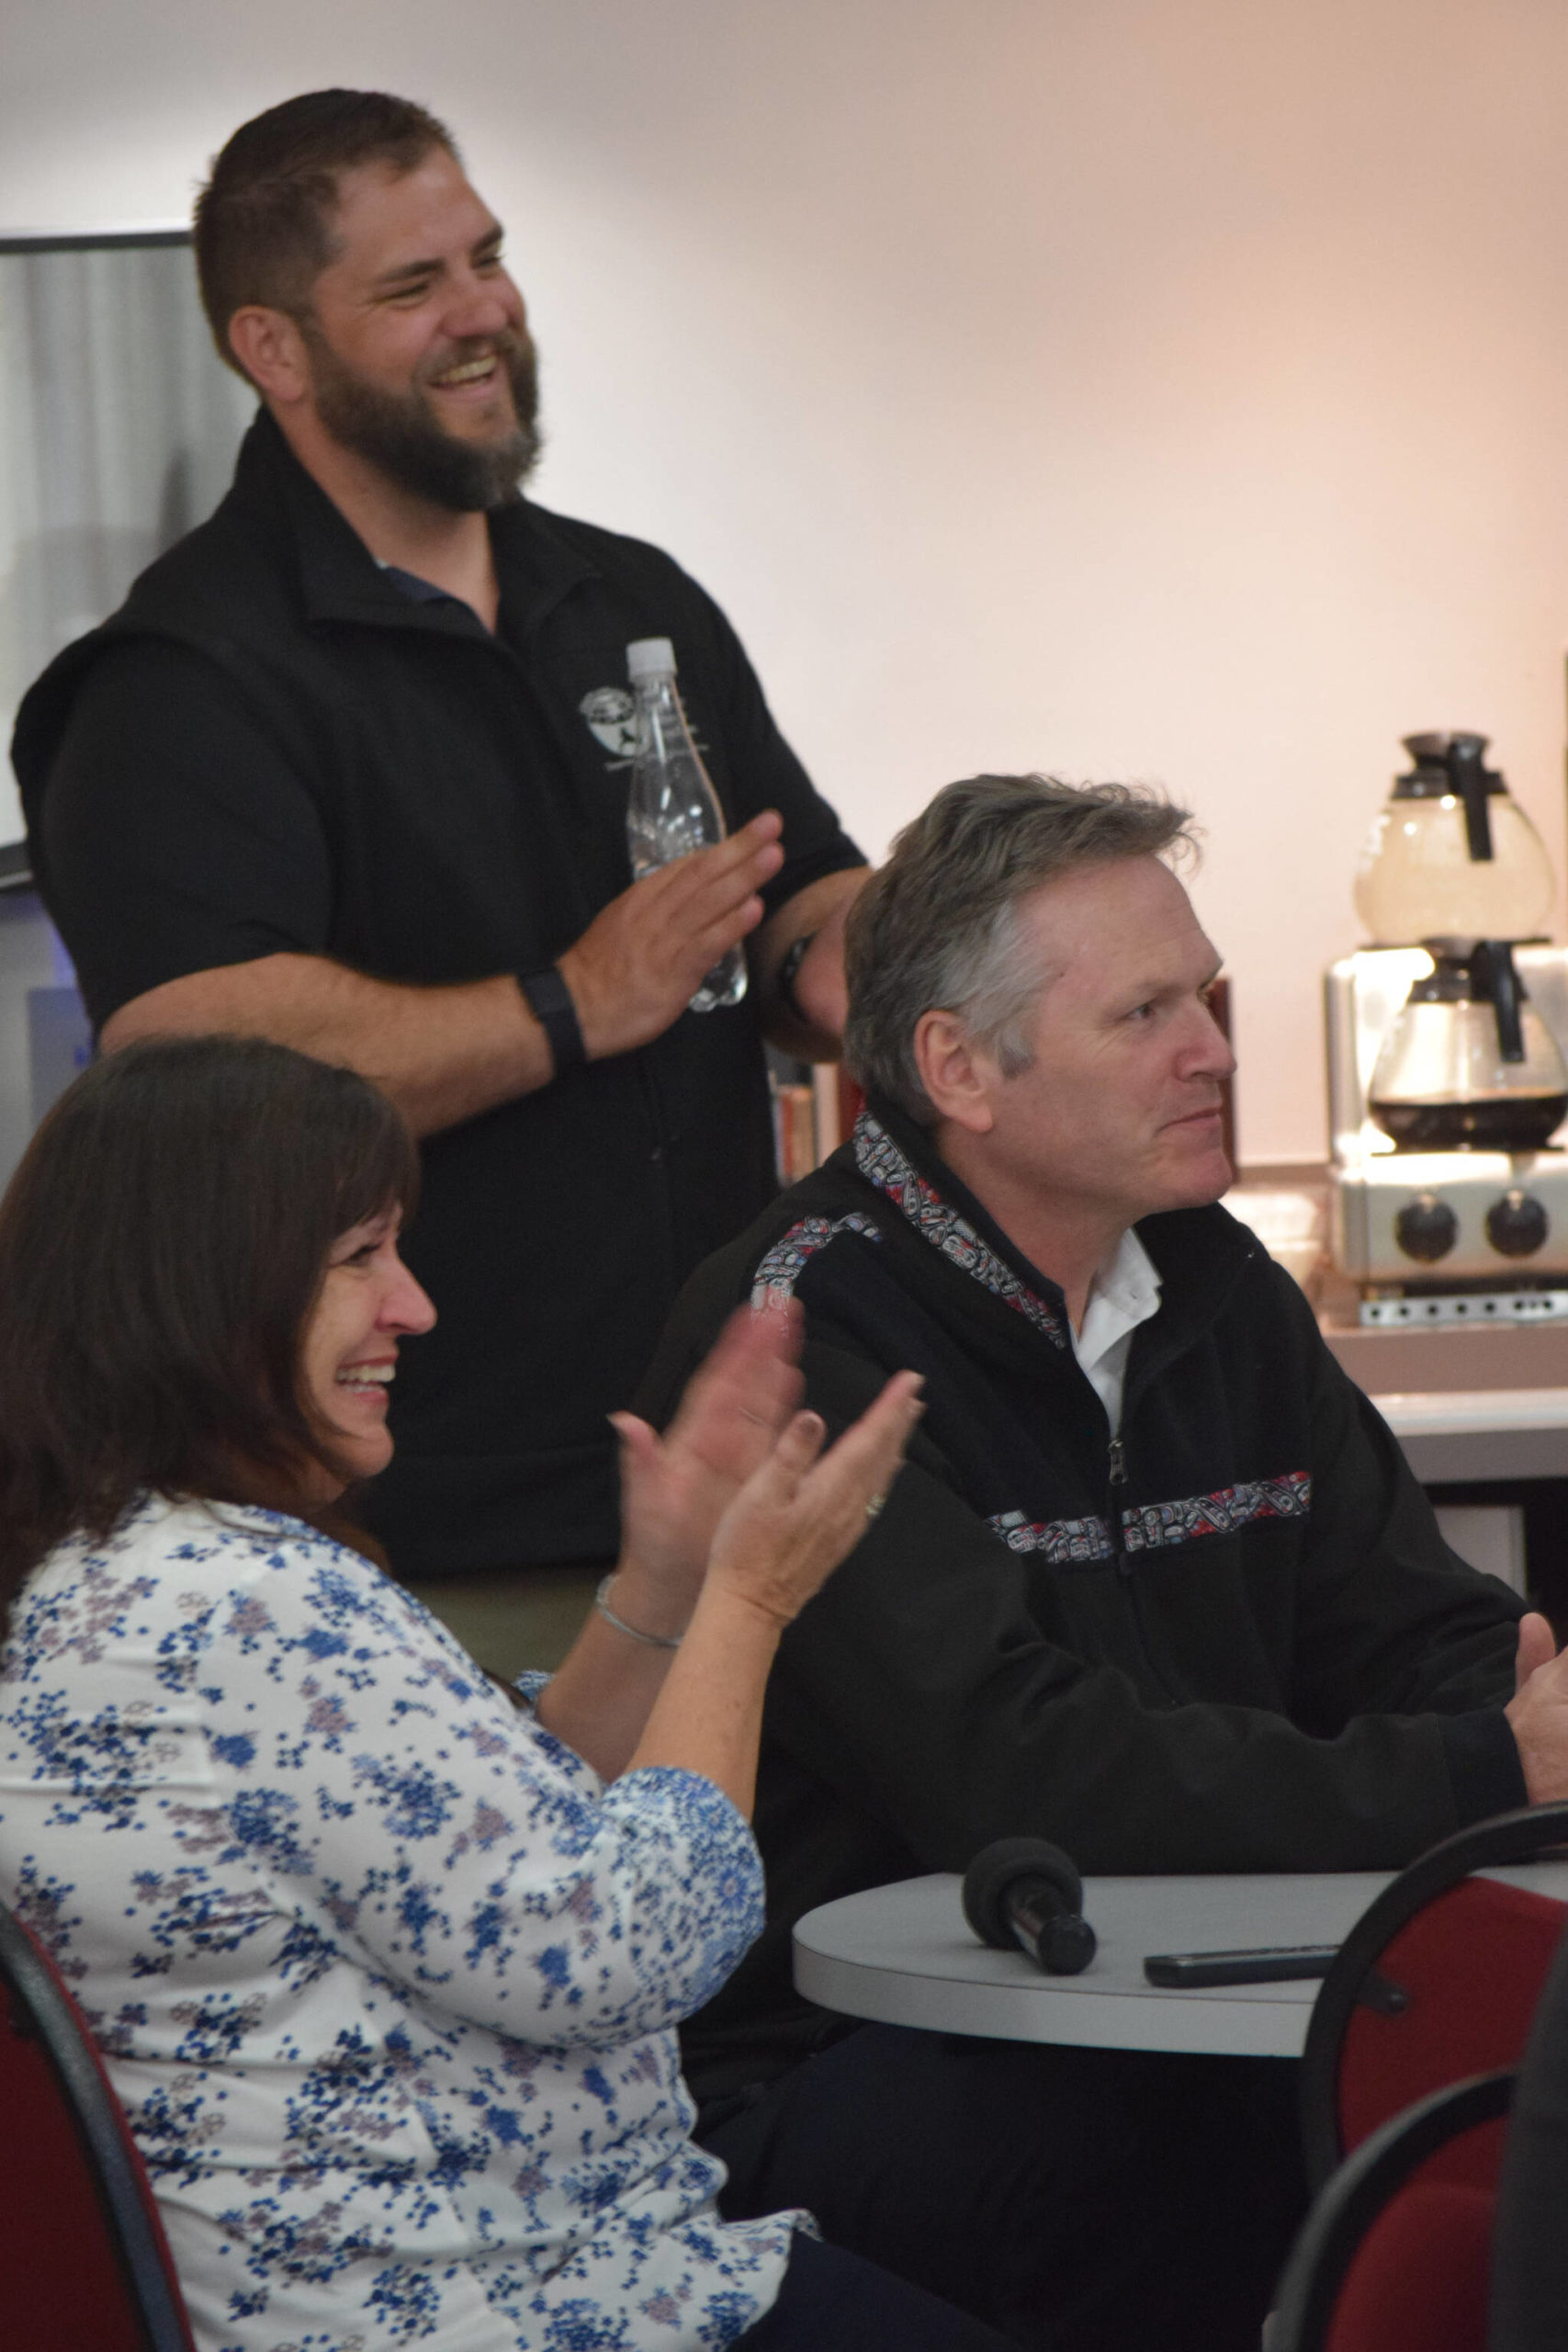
{"x": 612, "y": 720}
{"x": 1158, "y": 1526}
{"x": 775, "y": 1278}
{"x": 882, "y": 1163}
{"x": 611, "y": 713}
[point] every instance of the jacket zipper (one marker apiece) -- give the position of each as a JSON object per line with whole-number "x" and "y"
{"x": 1118, "y": 1532}
{"x": 1119, "y": 1554}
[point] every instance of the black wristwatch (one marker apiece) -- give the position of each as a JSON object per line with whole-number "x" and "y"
{"x": 549, "y": 1000}
{"x": 789, "y": 972}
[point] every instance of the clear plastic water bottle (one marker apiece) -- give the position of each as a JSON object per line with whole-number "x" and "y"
{"x": 674, "y": 808}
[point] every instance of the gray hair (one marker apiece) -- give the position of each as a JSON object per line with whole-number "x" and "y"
{"x": 937, "y": 925}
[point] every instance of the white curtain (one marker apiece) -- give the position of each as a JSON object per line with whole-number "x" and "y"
{"x": 118, "y": 427}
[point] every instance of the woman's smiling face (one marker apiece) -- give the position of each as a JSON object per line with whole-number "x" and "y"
{"x": 368, "y": 1301}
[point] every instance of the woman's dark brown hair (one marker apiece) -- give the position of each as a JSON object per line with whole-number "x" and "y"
{"x": 162, "y": 1245}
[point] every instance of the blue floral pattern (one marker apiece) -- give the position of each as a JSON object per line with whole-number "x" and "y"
{"x": 386, "y": 1977}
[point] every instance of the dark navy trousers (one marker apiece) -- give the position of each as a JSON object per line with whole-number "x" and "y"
{"x": 1073, "y": 2200}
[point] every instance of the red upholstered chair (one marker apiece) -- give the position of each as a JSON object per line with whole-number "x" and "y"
{"x": 83, "y": 2263}
{"x": 1394, "y": 2257}
{"x": 1438, "y": 1979}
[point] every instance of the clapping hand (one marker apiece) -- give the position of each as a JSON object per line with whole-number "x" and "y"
{"x": 730, "y": 1522}
{"x": 802, "y": 1510}
{"x": 676, "y": 1489}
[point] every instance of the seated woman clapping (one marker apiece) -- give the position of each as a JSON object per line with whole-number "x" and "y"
{"x": 386, "y": 1965}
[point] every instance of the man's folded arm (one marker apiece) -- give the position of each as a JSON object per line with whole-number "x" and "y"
{"x": 1388, "y": 1611}
{"x": 825, "y": 869}
{"x": 442, "y": 1052}
{"x": 918, "y": 1682}
{"x": 187, "y": 869}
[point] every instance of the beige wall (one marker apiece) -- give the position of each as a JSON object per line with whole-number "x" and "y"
{"x": 1174, "y": 390}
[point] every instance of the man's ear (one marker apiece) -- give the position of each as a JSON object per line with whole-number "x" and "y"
{"x": 957, "y": 1074}
{"x": 270, "y": 348}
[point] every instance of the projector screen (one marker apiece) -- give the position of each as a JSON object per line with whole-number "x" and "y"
{"x": 118, "y": 426}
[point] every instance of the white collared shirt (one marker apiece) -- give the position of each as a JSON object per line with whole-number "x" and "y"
{"x": 1123, "y": 1293}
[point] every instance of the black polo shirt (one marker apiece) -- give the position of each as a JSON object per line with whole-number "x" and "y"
{"x": 275, "y": 746}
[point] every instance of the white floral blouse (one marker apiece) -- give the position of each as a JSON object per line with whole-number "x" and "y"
{"x": 386, "y": 1976}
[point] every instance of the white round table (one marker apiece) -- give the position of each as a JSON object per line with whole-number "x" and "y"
{"x": 903, "y": 1955}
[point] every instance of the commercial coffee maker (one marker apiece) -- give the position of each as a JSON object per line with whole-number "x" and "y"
{"x": 1447, "y": 1078}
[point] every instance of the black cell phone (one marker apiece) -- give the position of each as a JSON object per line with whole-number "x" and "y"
{"x": 1271, "y": 1964}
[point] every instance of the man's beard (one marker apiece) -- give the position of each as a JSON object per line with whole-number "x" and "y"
{"x": 398, "y": 435}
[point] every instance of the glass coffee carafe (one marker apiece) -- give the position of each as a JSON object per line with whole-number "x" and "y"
{"x": 1455, "y": 866}
{"x": 1470, "y": 1064}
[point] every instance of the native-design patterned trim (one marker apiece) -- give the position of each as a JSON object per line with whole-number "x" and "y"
{"x": 882, "y": 1163}
{"x": 775, "y": 1278}
{"x": 1158, "y": 1526}
{"x": 1065, "y": 1541}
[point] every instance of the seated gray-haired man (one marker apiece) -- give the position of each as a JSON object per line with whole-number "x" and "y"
{"x": 1155, "y": 1582}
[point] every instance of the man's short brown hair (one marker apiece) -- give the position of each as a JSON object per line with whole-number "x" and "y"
{"x": 263, "y": 228}
{"x": 937, "y": 925}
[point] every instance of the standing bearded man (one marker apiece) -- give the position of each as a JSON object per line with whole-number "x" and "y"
{"x": 348, "y": 771}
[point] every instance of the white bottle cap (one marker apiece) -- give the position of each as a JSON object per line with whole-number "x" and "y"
{"x": 651, "y": 657}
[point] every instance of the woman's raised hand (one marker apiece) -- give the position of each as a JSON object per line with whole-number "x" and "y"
{"x": 732, "y": 1521}
{"x": 676, "y": 1489}
{"x": 801, "y": 1511}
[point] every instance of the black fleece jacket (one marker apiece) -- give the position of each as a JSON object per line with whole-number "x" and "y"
{"x": 1231, "y": 1640}
{"x": 273, "y": 749}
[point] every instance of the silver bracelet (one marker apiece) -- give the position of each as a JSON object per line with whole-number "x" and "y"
{"x": 654, "y": 1641}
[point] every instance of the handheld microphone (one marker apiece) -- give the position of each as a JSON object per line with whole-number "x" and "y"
{"x": 1024, "y": 1891}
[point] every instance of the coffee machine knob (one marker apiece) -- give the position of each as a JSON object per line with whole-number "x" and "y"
{"x": 1427, "y": 1227}
{"x": 1517, "y": 1225}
